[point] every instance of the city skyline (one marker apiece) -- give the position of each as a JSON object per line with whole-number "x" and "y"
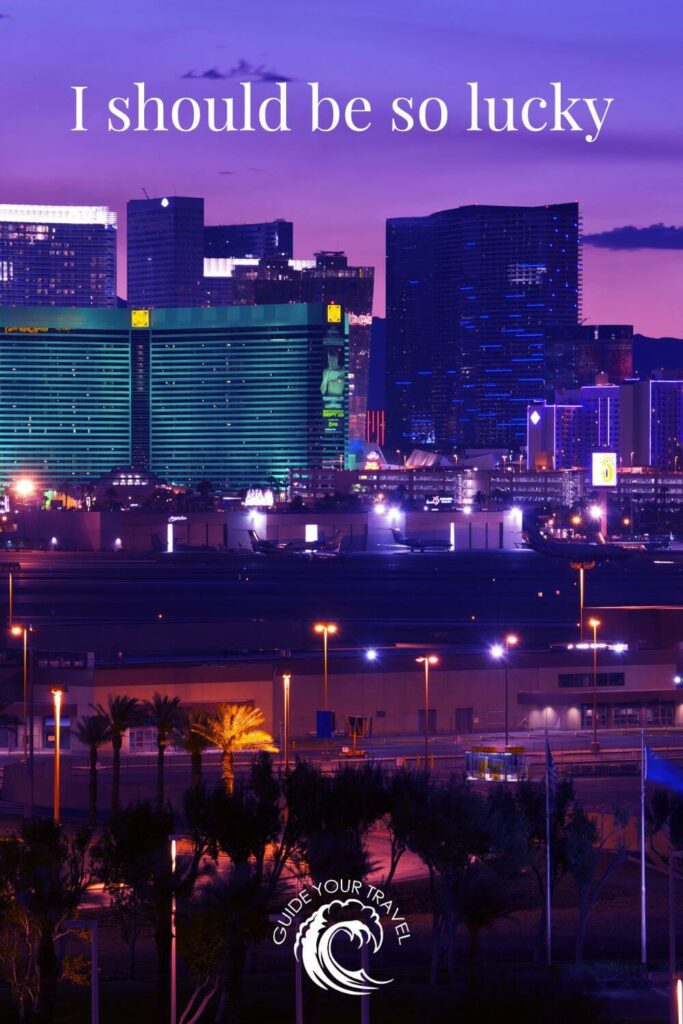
{"x": 338, "y": 189}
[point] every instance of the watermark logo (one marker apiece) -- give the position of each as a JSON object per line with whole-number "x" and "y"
{"x": 358, "y": 918}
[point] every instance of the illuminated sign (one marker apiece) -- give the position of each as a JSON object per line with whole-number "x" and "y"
{"x": 334, "y": 313}
{"x": 360, "y": 320}
{"x": 535, "y": 417}
{"x": 604, "y": 469}
{"x": 257, "y": 498}
{"x": 139, "y": 318}
{"x": 26, "y": 330}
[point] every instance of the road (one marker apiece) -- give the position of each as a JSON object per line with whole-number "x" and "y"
{"x": 463, "y": 597}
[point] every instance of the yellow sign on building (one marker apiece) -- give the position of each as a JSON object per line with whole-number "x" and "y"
{"x": 334, "y": 313}
{"x": 139, "y": 318}
{"x": 604, "y": 469}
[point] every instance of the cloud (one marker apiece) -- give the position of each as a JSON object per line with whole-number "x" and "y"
{"x": 244, "y": 70}
{"x": 656, "y": 236}
{"x": 227, "y": 172}
{"x": 5, "y": 16}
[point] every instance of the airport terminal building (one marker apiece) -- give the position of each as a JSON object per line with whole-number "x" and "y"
{"x": 234, "y": 395}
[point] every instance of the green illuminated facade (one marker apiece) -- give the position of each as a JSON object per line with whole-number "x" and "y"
{"x": 237, "y": 395}
{"x": 64, "y": 393}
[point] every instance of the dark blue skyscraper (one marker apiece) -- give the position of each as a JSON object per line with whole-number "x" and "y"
{"x": 236, "y": 241}
{"x": 57, "y": 255}
{"x": 166, "y": 252}
{"x": 475, "y": 296}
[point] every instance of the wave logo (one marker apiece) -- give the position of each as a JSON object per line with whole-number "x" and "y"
{"x": 315, "y": 940}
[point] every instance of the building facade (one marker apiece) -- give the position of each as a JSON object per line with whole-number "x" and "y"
{"x": 57, "y": 256}
{"x": 230, "y": 241}
{"x": 475, "y": 296}
{"x": 325, "y": 278}
{"x": 234, "y": 395}
{"x": 166, "y": 252}
{"x": 640, "y": 421}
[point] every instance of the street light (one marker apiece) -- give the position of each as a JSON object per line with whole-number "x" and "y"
{"x": 503, "y": 651}
{"x": 24, "y": 487}
{"x": 23, "y": 632}
{"x": 326, "y": 629}
{"x": 427, "y": 660}
{"x": 286, "y": 681}
{"x": 57, "y": 695}
{"x": 594, "y": 623}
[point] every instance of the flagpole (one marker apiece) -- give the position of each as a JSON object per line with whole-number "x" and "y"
{"x": 643, "y": 890}
{"x": 548, "y": 918}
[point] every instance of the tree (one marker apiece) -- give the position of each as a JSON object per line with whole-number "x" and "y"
{"x": 93, "y": 731}
{"x": 45, "y": 873}
{"x": 133, "y": 861}
{"x": 193, "y": 743}
{"x": 165, "y": 714}
{"x": 404, "y": 791}
{"x": 121, "y": 714}
{"x": 232, "y": 728}
{"x": 590, "y": 865}
{"x": 248, "y": 826}
{"x": 332, "y": 816}
{"x": 451, "y": 826}
{"x": 530, "y": 797}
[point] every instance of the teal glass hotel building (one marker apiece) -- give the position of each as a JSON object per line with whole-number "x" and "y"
{"x": 236, "y": 395}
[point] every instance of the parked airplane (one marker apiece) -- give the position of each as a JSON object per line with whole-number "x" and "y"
{"x": 579, "y": 551}
{"x": 293, "y": 547}
{"x": 420, "y": 543}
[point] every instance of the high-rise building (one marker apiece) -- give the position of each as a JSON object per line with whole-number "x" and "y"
{"x": 236, "y": 395}
{"x": 652, "y": 424}
{"x": 57, "y": 255}
{"x": 64, "y": 393}
{"x": 640, "y": 421}
{"x": 325, "y": 278}
{"x": 236, "y": 241}
{"x": 166, "y": 252}
{"x": 474, "y": 297}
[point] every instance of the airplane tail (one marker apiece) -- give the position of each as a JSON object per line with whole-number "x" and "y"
{"x": 254, "y": 538}
{"x": 397, "y": 535}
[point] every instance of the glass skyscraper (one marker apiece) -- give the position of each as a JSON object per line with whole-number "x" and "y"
{"x": 165, "y": 251}
{"x": 237, "y": 395}
{"x": 57, "y": 256}
{"x": 231, "y": 241}
{"x": 64, "y": 393}
{"x": 475, "y": 296}
{"x": 326, "y": 278}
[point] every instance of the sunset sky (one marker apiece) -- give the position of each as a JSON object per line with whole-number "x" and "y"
{"x": 339, "y": 188}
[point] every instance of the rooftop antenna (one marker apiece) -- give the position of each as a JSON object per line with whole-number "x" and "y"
{"x": 145, "y": 191}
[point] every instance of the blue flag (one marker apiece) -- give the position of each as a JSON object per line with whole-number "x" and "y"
{"x": 659, "y": 769}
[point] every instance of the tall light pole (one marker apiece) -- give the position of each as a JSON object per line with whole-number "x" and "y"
{"x": 503, "y": 651}
{"x": 325, "y": 629}
{"x": 57, "y": 695}
{"x": 23, "y": 632}
{"x": 174, "y": 956}
{"x": 426, "y": 660}
{"x": 286, "y": 681}
{"x": 594, "y": 623}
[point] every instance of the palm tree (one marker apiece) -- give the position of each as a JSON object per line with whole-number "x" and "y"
{"x": 121, "y": 713}
{"x": 234, "y": 727}
{"x": 93, "y": 731}
{"x": 165, "y": 715}
{"x": 194, "y": 744}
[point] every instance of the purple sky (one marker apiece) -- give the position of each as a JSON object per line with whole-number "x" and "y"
{"x": 338, "y": 189}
